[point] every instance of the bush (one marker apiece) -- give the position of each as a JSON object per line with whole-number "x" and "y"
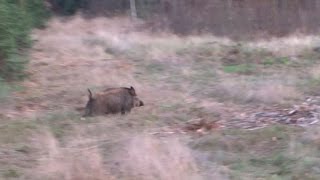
{"x": 145, "y": 8}
{"x": 37, "y": 12}
{"x": 67, "y": 7}
{"x": 17, "y": 18}
{"x": 4, "y": 90}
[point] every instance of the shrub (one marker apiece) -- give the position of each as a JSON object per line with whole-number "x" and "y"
{"x": 17, "y": 18}
{"x": 67, "y": 7}
{"x": 4, "y": 90}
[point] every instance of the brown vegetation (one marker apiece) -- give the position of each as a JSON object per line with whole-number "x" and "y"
{"x": 231, "y": 93}
{"x": 239, "y": 19}
{"x": 243, "y": 18}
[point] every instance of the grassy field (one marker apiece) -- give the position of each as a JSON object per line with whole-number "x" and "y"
{"x": 180, "y": 79}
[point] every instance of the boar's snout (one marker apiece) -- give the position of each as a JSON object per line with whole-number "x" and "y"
{"x": 137, "y": 102}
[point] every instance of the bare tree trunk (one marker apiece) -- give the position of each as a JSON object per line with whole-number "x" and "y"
{"x": 133, "y": 9}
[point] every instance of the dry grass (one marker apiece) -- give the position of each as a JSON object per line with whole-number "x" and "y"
{"x": 178, "y": 78}
{"x": 267, "y": 91}
{"x": 111, "y": 52}
{"x": 69, "y": 164}
{"x": 315, "y": 72}
{"x": 292, "y": 45}
{"x": 139, "y": 157}
{"x": 152, "y": 158}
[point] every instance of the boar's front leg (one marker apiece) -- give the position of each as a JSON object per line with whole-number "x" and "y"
{"x": 123, "y": 112}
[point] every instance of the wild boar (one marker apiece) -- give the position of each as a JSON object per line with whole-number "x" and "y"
{"x": 112, "y": 101}
{"x": 130, "y": 90}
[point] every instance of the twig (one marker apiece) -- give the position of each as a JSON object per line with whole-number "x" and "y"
{"x": 314, "y": 122}
{"x": 256, "y": 128}
{"x": 169, "y": 132}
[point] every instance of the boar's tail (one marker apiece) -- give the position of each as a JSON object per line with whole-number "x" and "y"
{"x": 90, "y": 94}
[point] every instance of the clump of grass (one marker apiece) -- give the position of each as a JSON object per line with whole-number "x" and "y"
{"x": 276, "y": 60}
{"x": 293, "y": 45}
{"x": 270, "y": 152}
{"x": 138, "y": 157}
{"x": 59, "y": 123}
{"x": 67, "y": 163}
{"x": 311, "y": 83}
{"x": 162, "y": 159}
{"x": 248, "y": 90}
{"x": 311, "y": 86}
{"x": 4, "y": 90}
{"x": 156, "y": 68}
{"x": 11, "y": 173}
{"x": 16, "y": 132}
{"x": 239, "y": 69}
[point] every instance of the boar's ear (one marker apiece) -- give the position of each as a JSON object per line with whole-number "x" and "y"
{"x": 132, "y": 91}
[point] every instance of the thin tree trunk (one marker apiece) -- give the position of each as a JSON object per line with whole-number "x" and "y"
{"x": 133, "y": 9}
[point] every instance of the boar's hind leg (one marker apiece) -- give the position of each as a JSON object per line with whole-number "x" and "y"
{"x": 123, "y": 111}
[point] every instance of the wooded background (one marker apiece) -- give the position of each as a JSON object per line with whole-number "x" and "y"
{"x": 238, "y": 19}
{"x": 221, "y": 17}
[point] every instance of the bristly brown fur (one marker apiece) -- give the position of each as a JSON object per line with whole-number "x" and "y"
{"x": 112, "y": 101}
{"x": 130, "y": 90}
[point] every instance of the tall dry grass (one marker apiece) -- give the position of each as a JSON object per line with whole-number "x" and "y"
{"x": 263, "y": 91}
{"x": 143, "y": 157}
{"x": 149, "y": 158}
{"x": 57, "y": 162}
{"x": 291, "y": 46}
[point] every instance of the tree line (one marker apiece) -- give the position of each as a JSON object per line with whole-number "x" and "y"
{"x": 240, "y": 19}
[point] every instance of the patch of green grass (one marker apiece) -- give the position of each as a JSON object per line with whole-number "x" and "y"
{"x": 276, "y": 60}
{"x": 239, "y": 69}
{"x": 258, "y": 154}
{"x": 281, "y": 163}
{"x": 269, "y": 61}
{"x": 239, "y": 166}
{"x": 169, "y": 106}
{"x": 155, "y": 68}
{"x": 15, "y": 132}
{"x": 311, "y": 86}
{"x": 136, "y": 53}
{"x": 158, "y": 71}
{"x": 7, "y": 89}
{"x": 203, "y": 75}
{"x": 283, "y": 60}
{"x": 4, "y": 90}
{"x": 19, "y": 130}
{"x": 60, "y": 123}
{"x": 11, "y": 173}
